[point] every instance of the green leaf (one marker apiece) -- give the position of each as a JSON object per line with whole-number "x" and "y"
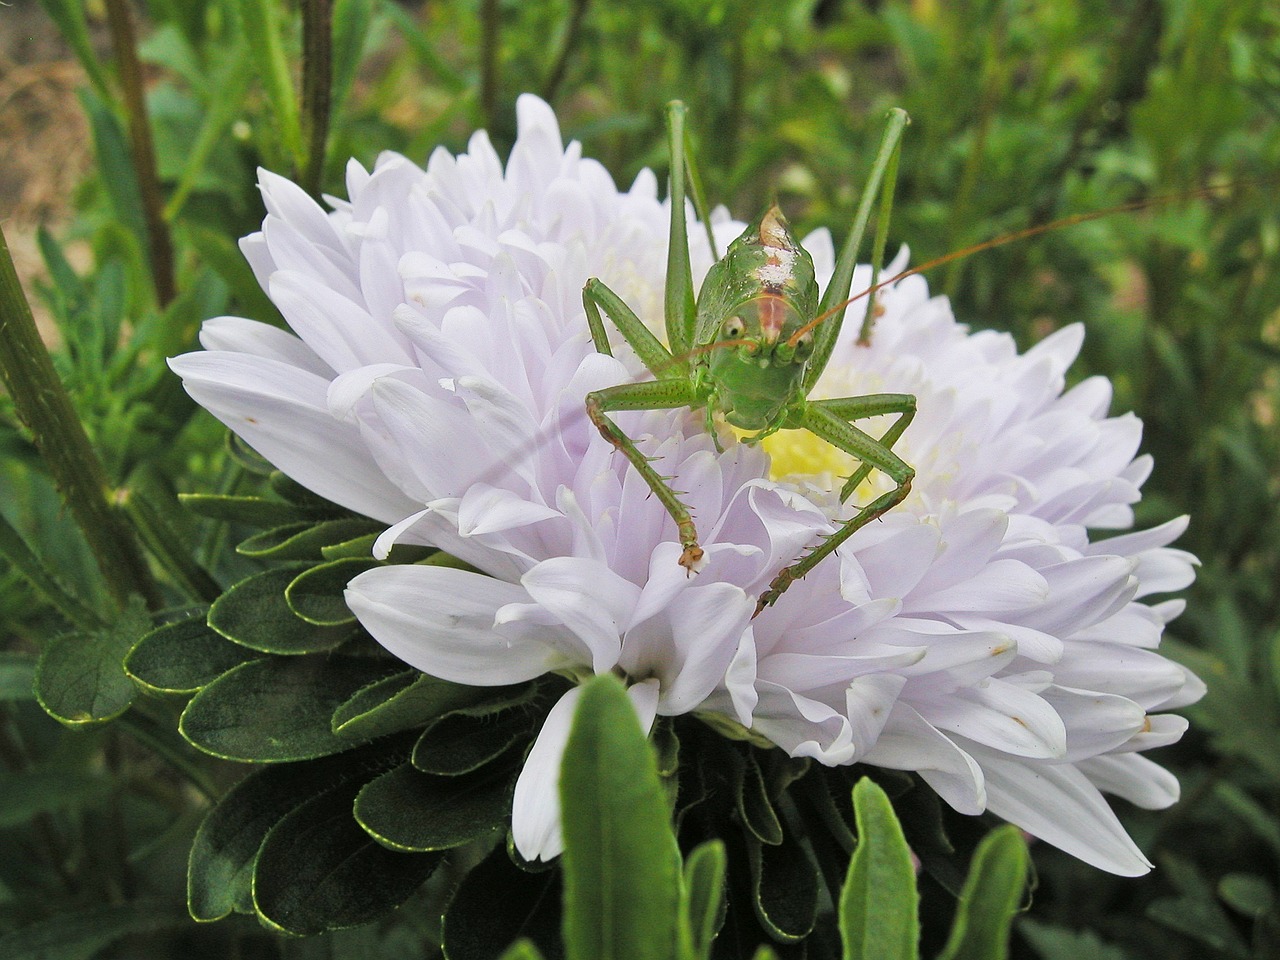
{"x": 316, "y": 595}
{"x": 621, "y": 863}
{"x": 70, "y": 19}
{"x": 466, "y": 740}
{"x": 754, "y": 805}
{"x": 400, "y": 702}
{"x": 407, "y": 810}
{"x": 277, "y": 709}
{"x": 255, "y": 614}
{"x": 46, "y": 790}
{"x": 784, "y": 888}
{"x": 115, "y": 166}
{"x": 1247, "y": 893}
{"x": 17, "y": 676}
{"x": 992, "y": 896}
{"x": 305, "y": 541}
{"x": 1060, "y": 943}
{"x": 220, "y": 868}
{"x": 703, "y": 902}
{"x": 82, "y": 934}
{"x": 80, "y": 679}
{"x": 878, "y": 905}
{"x": 522, "y": 950}
{"x": 317, "y": 870}
{"x": 251, "y": 511}
{"x": 182, "y": 657}
{"x": 496, "y": 904}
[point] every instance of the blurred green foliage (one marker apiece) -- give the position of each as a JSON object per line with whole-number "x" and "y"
{"x": 1021, "y": 113}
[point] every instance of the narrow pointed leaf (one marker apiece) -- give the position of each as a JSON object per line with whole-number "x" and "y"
{"x": 621, "y": 864}
{"x": 992, "y": 896}
{"x": 703, "y": 901}
{"x": 754, "y": 805}
{"x": 878, "y": 906}
{"x": 305, "y": 540}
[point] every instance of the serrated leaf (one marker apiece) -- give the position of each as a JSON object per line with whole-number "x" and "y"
{"x": 220, "y": 867}
{"x": 182, "y": 657}
{"x": 82, "y": 934}
{"x": 784, "y": 888}
{"x": 17, "y": 676}
{"x": 80, "y": 679}
{"x": 277, "y": 709}
{"x": 464, "y": 741}
{"x": 305, "y": 541}
{"x": 878, "y": 905}
{"x": 401, "y": 701}
{"x": 317, "y": 870}
{"x": 496, "y": 904}
{"x": 316, "y": 595}
{"x": 45, "y": 790}
{"x": 992, "y": 896}
{"x": 255, "y": 614}
{"x": 407, "y": 810}
{"x": 616, "y": 824}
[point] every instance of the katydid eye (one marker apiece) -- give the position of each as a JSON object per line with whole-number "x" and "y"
{"x": 734, "y": 328}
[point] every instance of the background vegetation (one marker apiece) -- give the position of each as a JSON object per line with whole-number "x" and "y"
{"x": 1021, "y": 113}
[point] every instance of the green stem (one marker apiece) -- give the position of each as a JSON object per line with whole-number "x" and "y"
{"x": 489, "y": 23}
{"x": 44, "y": 406}
{"x": 571, "y": 33}
{"x": 124, "y": 43}
{"x": 317, "y": 87}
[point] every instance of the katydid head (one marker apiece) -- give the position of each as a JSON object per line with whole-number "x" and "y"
{"x": 754, "y": 302}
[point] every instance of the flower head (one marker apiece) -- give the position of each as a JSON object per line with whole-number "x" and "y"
{"x": 434, "y": 379}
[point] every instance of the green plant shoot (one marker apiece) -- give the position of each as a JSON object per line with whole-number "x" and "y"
{"x": 751, "y": 347}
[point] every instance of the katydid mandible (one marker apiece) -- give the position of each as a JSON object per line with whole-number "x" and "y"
{"x": 751, "y": 347}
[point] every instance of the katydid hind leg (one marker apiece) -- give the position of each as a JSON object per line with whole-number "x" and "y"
{"x": 874, "y": 454}
{"x": 678, "y": 302}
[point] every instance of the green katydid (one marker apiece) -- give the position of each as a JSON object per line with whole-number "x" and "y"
{"x": 751, "y": 347}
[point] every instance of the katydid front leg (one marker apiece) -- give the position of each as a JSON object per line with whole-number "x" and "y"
{"x": 829, "y": 420}
{"x": 673, "y": 389}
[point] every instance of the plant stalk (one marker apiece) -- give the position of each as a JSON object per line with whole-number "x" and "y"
{"x": 317, "y": 88}
{"x": 45, "y": 407}
{"x": 159, "y": 245}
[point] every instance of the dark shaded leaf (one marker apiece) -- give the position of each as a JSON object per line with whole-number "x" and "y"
{"x": 17, "y": 676}
{"x": 182, "y": 657}
{"x": 251, "y": 511}
{"x": 304, "y": 541}
{"x": 496, "y": 904}
{"x": 277, "y": 709}
{"x": 82, "y": 934}
{"x": 43, "y": 791}
{"x": 754, "y": 805}
{"x": 784, "y": 888}
{"x": 220, "y": 868}
{"x": 401, "y": 701}
{"x": 255, "y": 614}
{"x": 316, "y": 595}
{"x": 407, "y": 810}
{"x": 80, "y": 679}
{"x": 466, "y": 740}
{"x": 317, "y": 870}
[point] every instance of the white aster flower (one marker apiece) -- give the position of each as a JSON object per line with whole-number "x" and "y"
{"x": 435, "y": 379}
